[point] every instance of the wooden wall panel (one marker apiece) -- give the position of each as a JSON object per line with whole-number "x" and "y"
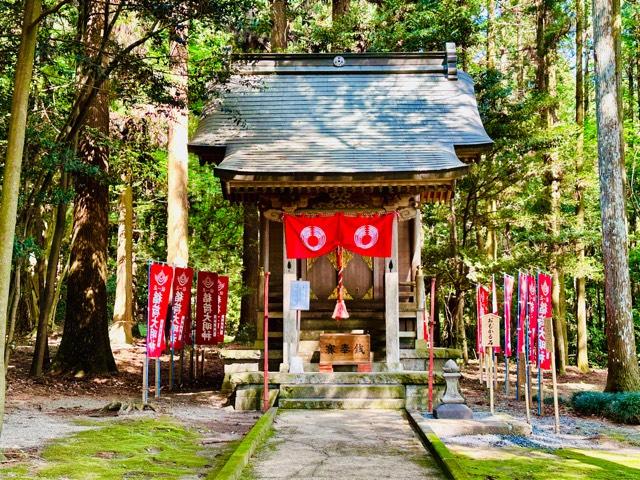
{"x": 405, "y": 250}
{"x": 275, "y": 261}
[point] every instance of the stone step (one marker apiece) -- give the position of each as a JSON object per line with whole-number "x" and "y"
{"x": 342, "y": 403}
{"x": 341, "y": 391}
{"x": 343, "y": 378}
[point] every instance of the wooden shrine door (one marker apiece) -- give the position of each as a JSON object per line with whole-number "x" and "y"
{"x": 361, "y": 282}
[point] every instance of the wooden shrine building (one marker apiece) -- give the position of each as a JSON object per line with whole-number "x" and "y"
{"x": 317, "y": 133}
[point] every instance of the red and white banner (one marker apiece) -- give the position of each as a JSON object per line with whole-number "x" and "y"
{"x": 182, "y": 281}
{"x": 494, "y": 306}
{"x": 522, "y": 311}
{"x": 314, "y": 236}
{"x": 532, "y": 301}
{"x": 160, "y": 279}
{"x": 370, "y": 236}
{"x": 221, "y": 318}
{"x": 482, "y": 308}
{"x": 508, "y": 294}
{"x": 206, "y": 308}
{"x": 544, "y": 311}
{"x": 307, "y": 237}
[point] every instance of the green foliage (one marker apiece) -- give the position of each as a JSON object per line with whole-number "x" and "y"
{"x": 424, "y": 25}
{"x": 619, "y": 407}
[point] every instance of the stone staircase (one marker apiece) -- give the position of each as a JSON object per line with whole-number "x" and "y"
{"x": 341, "y": 396}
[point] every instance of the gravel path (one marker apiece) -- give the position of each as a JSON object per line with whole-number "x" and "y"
{"x": 331, "y": 444}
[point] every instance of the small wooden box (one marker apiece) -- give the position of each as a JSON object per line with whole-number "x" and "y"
{"x": 345, "y": 348}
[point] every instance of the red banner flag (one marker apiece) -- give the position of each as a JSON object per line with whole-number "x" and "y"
{"x": 532, "y": 297}
{"x": 482, "y": 307}
{"x": 206, "y": 308}
{"x": 308, "y": 237}
{"x": 182, "y": 281}
{"x": 370, "y": 236}
{"x": 508, "y": 293}
{"x": 221, "y": 318}
{"x": 494, "y": 306}
{"x": 160, "y": 278}
{"x": 522, "y": 311}
{"x": 544, "y": 311}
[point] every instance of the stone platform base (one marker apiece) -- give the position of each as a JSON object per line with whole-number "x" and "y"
{"x": 480, "y": 425}
{"x": 392, "y": 390}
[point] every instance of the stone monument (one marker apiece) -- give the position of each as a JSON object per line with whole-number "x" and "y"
{"x": 453, "y": 403}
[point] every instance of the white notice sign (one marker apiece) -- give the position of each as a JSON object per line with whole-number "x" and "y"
{"x": 490, "y": 330}
{"x": 300, "y": 293}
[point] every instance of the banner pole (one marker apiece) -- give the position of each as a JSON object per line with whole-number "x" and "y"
{"x": 158, "y": 377}
{"x": 554, "y": 380}
{"x": 431, "y": 342}
{"x": 490, "y": 360}
{"x": 171, "y": 352}
{"x": 265, "y": 386}
{"x": 145, "y": 366}
{"x": 145, "y": 379}
{"x": 180, "y": 366}
{"x": 494, "y": 368}
{"x": 171, "y": 372}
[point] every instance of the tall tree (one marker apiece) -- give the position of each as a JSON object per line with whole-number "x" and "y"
{"x": 278, "y": 25}
{"x": 12, "y": 168}
{"x": 41, "y": 352}
{"x": 85, "y": 344}
{"x": 581, "y": 281}
{"x": 339, "y": 8}
{"x": 178, "y": 158}
{"x": 120, "y": 332}
{"x": 623, "y": 373}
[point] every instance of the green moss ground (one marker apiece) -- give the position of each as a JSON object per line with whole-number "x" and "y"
{"x": 568, "y": 464}
{"x": 138, "y": 449}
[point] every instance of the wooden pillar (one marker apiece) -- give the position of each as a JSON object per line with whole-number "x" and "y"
{"x": 289, "y": 323}
{"x": 392, "y": 304}
{"x": 264, "y": 263}
{"x": 416, "y": 263}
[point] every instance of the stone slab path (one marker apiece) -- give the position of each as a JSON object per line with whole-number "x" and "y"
{"x": 333, "y": 444}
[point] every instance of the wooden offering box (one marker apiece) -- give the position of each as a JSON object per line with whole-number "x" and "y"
{"x": 344, "y": 348}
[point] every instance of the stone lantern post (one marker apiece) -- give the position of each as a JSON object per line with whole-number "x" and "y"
{"x": 453, "y": 403}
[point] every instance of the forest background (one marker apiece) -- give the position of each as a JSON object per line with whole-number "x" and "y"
{"x": 93, "y": 170}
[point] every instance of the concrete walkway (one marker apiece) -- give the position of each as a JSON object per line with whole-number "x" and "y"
{"x": 332, "y": 444}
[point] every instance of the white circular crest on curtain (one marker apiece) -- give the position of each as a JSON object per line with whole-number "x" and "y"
{"x": 366, "y": 236}
{"x": 313, "y": 238}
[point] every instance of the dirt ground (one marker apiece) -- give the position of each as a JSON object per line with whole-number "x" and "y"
{"x": 38, "y": 411}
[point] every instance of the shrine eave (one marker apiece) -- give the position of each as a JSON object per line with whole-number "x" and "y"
{"x": 432, "y": 186}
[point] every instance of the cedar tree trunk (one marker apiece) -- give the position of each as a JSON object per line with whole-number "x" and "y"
{"x": 278, "y": 25}
{"x": 12, "y": 168}
{"x": 581, "y": 281}
{"x": 623, "y": 373}
{"x": 178, "y": 160}
{"x": 85, "y": 348}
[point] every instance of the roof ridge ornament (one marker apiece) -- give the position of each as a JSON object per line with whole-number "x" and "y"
{"x": 452, "y": 61}
{"x": 338, "y": 61}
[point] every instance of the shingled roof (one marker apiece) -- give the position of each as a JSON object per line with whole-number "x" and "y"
{"x": 357, "y": 114}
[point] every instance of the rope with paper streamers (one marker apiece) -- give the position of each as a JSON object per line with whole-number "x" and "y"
{"x": 340, "y": 311}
